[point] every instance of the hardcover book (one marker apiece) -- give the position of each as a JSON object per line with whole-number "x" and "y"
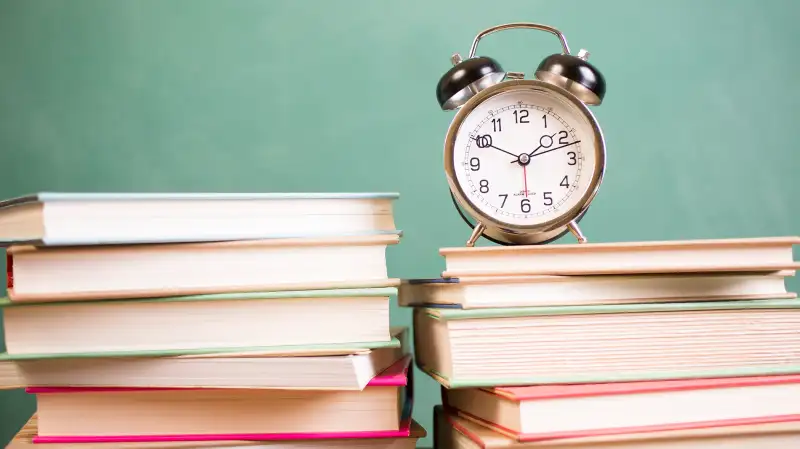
{"x": 542, "y": 412}
{"x": 302, "y": 368}
{"x": 131, "y": 271}
{"x": 215, "y": 322}
{"x": 66, "y": 218}
{"x": 382, "y": 410}
{"x": 453, "y": 432}
{"x": 543, "y": 290}
{"x": 678, "y": 256}
{"x": 607, "y": 343}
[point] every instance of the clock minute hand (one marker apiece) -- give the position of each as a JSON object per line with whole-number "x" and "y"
{"x": 486, "y": 142}
{"x": 556, "y": 148}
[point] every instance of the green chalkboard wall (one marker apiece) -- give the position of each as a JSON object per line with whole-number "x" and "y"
{"x": 701, "y": 115}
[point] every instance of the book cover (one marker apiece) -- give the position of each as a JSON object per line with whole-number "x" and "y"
{"x": 107, "y": 218}
{"x": 331, "y": 349}
{"x": 399, "y": 374}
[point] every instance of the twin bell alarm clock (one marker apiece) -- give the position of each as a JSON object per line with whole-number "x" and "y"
{"x": 523, "y": 157}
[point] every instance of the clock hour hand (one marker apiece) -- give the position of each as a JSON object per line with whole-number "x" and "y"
{"x": 485, "y": 141}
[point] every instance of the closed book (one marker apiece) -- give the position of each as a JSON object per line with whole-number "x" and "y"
{"x": 674, "y": 256}
{"x": 24, "y": 440}
{"x": 83, "y": 218}
{"x": 130, "y": 271}
{"x": 216, "y": 322}
{"x": 542, "y": 412}
{"x": 454, "y": 432}
{"x": 296, "y": 367}
{"x": 545, "y": 290}
{"x": 607, "y": 343}
{"x": 382, "y": 410}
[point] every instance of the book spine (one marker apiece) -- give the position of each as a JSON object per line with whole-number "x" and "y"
{"x": 9, "y": 271}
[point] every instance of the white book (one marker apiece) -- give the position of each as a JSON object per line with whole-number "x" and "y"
{"x": 454, "y": 432}
{"x": 678, "y": 256}
{"x": 203, "y": 323}
{"x": 309, "y": 368}
{"x": 521, "y": 291}
{"x": 129, "y": 271}
{"x": 120, "y": 218}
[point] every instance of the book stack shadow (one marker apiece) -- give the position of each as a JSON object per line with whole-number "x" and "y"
{"x": 205, "y": 320}
{"x": 676, "y": 344}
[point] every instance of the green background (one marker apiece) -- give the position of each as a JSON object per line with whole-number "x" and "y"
{"x": 700, "y": 117}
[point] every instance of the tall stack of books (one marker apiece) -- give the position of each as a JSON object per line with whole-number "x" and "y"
{"x": 679, "y": 344}
{"x": 206, "y": 320}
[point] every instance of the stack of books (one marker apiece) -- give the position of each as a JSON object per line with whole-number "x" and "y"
{"x": 678, "y": 344}
{"x": 205, "y": 320}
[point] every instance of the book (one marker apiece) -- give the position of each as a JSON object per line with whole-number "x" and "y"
{"x": 24, "y": 440}
{"x": 679, "y": 256}
{"x": 10, "y": 375}
{"x": 215, "y": 321}
{"x": 453, "y": 432}
{"x": 543, "y": 412}
{"x": 382, "y": 409}
{"x": 304, "y": 369}
{"x": 128, "y": 271}
{"x": 544, "y": 290}
{"x": 67, "y": 218}
{"x": 607, "y": 343}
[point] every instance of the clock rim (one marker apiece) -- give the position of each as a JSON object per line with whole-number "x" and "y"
{"x": 563, "y": 219}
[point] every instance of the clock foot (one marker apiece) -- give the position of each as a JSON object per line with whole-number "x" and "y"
{"x": 576, "y": 231}
{"x": 476, "y": 233}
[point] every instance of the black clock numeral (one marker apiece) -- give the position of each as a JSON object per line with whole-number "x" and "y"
{"x": 544, "y": 117}
{"x": 522, "y": 117}
{"x": 475, "y": 164}
{"x": 572, "y": 158}
{"x": 525, "y": 205}
{"x": 548, "y": 200}
{"x": 496, "y": 125}
{"x": 562, "y": 135}
{"x": 564, "y": 182}
{"x": 483, "y": 141}
{"x": 484, "y": 186}
{"x": 505, "y": 197}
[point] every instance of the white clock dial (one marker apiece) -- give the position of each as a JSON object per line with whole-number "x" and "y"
{"x": 525, "y": 156}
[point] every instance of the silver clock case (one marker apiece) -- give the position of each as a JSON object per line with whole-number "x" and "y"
{"x": 515, "y": 234}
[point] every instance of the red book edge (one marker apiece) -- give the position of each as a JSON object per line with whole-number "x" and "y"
{"x": 530, "y": 437}
{"x": 395, "y": 375}
{"x": 562, "y": 391}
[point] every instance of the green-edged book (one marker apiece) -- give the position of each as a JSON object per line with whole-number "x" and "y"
{"x": 607, "y": 343}
{"x": 275, "y": 321}
{"x": 334, "y": 367}
{"x": 84, "y": 218}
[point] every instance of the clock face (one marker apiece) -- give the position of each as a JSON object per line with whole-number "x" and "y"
{"x": 525, "y": 156}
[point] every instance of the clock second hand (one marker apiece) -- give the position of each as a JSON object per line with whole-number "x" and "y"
{"x": 525, "y": 178}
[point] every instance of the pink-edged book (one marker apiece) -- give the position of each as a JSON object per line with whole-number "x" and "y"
{"x": 547, "y": 412}
{"x": 115, "y": 414}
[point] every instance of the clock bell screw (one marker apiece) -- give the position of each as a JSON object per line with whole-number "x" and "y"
{"x": 456, "y": 59}
{"x": 583, "y": 54}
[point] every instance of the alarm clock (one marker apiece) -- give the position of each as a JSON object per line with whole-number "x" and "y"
{"x": 523, "y": 157}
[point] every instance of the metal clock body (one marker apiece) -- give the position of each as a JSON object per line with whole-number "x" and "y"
{"x": 523, "y": 157}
